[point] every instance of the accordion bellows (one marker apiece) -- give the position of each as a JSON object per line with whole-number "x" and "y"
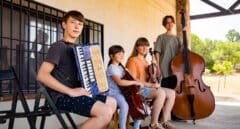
{"x": 90, "y": 67}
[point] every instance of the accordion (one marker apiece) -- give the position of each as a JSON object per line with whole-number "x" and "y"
{"x": 90, "y": 67}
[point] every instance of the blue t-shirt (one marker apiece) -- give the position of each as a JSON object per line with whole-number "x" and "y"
{"x": 114, "y": 70}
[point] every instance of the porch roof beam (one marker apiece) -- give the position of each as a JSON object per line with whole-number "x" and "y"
{"x": 223, "y": 12}
{"x": 209, "y": 15}
{"x": 234, "y": 5}
{"x": 214, "y": 5}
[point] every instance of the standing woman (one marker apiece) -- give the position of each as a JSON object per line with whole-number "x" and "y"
{"x": 138, "y": 67}
{"x": 166, "y": 48}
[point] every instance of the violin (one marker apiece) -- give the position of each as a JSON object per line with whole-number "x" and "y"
{"x": 153, "y": 70}
{"x": 154, "y": 75}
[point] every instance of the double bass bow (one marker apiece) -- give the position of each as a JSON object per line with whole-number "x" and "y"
{"x": 194, "y": 99}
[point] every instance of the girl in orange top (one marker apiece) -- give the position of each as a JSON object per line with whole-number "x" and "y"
{"x": 138, "y": 66}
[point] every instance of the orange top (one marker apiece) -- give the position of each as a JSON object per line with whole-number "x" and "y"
{"x": 138, "y": 68}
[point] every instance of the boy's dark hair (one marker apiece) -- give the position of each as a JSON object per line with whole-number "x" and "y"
{"x": 164, "y": 21}
{"x": 113, "y": 50}
{"x": 74, "y": 14}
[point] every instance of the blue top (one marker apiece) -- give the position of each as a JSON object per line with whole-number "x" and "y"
{"x": 114, "y": 70}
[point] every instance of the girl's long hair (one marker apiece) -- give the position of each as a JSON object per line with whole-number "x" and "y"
{"x": 113, "y": 50}
{"x": 142, "y": 41}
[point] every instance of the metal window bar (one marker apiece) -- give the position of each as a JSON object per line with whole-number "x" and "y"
{"x": 27, "y": 30}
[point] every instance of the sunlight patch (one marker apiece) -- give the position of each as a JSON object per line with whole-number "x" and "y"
{"x": 227, "y": 103}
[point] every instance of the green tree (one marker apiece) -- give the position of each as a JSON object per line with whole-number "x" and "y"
{"x": 203, "y": 49}
{"x": 226, "y": 51}
{"x": 233, "y": 36}
{"x": 224, "y": 68}
{"x": 214, "y": 51}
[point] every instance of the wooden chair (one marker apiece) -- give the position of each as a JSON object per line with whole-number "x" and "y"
{"x": 115, "y": 121}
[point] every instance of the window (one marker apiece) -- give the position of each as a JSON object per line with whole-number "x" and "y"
{"x": 27, "y": 30}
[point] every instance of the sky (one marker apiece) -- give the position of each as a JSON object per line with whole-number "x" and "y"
{"x": 213, "y": 28}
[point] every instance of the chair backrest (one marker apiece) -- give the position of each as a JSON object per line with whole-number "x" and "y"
{"x": 8, "y": 74}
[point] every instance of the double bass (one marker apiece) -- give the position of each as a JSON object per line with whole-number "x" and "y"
{"x": 194, "y": 99}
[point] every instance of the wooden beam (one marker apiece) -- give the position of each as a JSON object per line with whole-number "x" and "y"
{"x": 234, "y": 5}
{"x": 183, "y": 5}
{"x": 214, "y": 5}
{"x": 223, "y": 12}
{"x": 217, "y": 14}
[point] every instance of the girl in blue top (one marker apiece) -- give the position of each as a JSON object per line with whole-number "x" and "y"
{"x": 115, "y": 79}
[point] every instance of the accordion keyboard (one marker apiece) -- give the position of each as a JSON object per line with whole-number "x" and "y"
{"x": 91, "y": 69}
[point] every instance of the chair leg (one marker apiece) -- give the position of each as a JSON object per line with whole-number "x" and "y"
{"x": 55, "y": 110}
{"x": 71, "y": 121}
{"x": 27, "y": 110}
{"x": 60, "y": 118}
{"x": 42, "y": 124}
{"x": 128, "y": 122}
{"x": 115, "y": 119}
{"x": 23, "y": 101}
{"x": 36, "y": 105}
{"x": 108, "y": 125}
{"x": 13, "y": 110}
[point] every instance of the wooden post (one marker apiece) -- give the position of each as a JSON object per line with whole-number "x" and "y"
{"x": 183, "y": 5}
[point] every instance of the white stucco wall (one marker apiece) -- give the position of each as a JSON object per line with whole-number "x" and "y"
{"x": 124, "y": 20}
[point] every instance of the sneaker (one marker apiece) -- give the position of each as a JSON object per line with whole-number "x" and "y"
{"x": 155, "y": 126}
{"x": 168, "y": 125}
